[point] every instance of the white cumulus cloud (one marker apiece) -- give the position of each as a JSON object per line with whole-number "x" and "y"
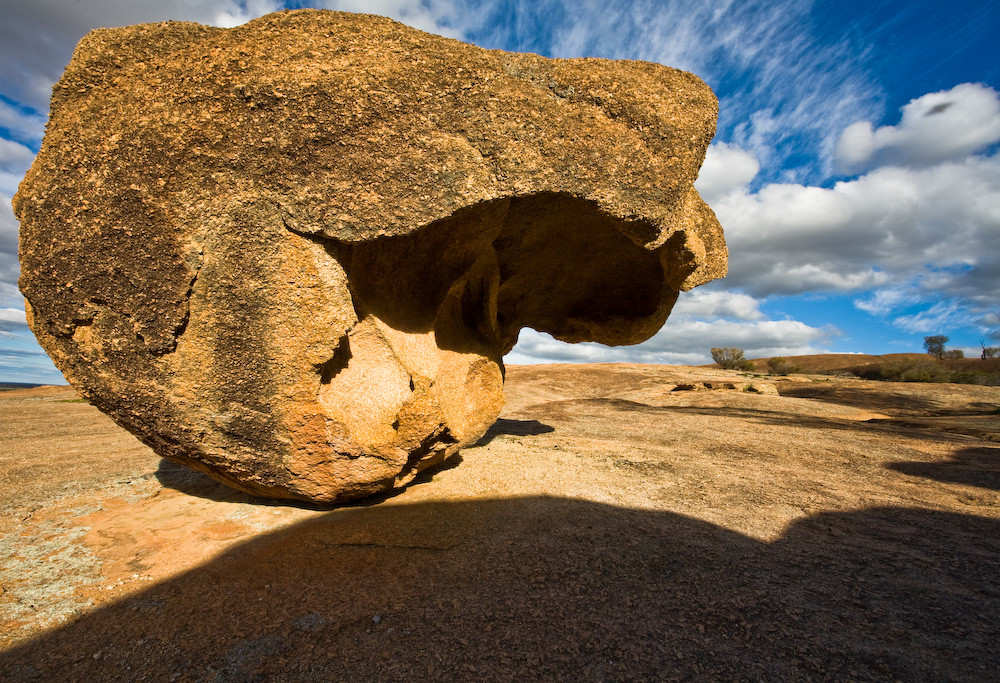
{"x": 12, "y": 318}
{"x": 727, "y": 168}
{"x": 685, "y": 342}
{"x": 22, "y": 125}
{"x": 941, "y": 126}
{"x": 883, "y": 228}
{"x": 715, "y": 303}
{"x": 15, "y": 159}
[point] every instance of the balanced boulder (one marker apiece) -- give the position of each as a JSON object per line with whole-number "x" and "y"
{"x": 292, "y": 254}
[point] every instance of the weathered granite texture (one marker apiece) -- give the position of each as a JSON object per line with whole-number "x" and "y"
{"x": 293, "y": 253}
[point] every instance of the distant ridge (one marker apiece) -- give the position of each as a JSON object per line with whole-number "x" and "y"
{"x": 825, "y": 363}
{"x": 8, "y": 386}
{"x": 832, "y": 362}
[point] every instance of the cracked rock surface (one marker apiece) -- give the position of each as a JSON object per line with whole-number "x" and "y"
{"x": 292, "y": 254}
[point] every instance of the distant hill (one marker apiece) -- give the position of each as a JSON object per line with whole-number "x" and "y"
{"x": 829, "y": 363}
{"x": 7, "y": 386}
{"x": 832, "y": 362}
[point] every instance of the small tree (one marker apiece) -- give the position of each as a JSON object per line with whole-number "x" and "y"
{"x": 935, "y": 345}
{"x": 991, "y": 352}
{"x": 953, "y": 354}
{"x": 729, "y": 358}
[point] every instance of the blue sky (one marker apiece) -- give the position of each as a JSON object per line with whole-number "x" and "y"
{"x": 855, "y": 170}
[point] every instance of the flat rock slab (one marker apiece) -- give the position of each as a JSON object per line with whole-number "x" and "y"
{"x": 605, "y": 527}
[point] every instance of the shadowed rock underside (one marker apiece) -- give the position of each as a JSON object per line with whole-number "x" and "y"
{"x": 292, "y": 254}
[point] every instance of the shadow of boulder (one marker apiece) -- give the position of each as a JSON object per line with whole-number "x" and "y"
{"x": 192, "y": 482}
{"x": 979, "y": 466}
{"x": 552, "y": 588}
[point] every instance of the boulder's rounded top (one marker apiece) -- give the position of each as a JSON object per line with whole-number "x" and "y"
{"x": 302, "y": 104}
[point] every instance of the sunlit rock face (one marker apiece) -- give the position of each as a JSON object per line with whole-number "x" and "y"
{"x": 292, "y": 254}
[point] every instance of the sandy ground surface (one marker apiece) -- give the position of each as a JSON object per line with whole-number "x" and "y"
{"x": 608, "y": 527}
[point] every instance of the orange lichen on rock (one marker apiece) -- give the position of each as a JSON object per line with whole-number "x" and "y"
{"x": 293, "y": 254}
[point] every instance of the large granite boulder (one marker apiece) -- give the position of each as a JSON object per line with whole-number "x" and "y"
{"x": 292, "y": 254}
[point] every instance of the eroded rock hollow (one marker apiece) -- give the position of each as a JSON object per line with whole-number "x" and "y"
{"x": 292, "y": 254}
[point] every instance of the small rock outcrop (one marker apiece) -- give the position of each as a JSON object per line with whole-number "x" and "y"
{"x": 292, "y": 254}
